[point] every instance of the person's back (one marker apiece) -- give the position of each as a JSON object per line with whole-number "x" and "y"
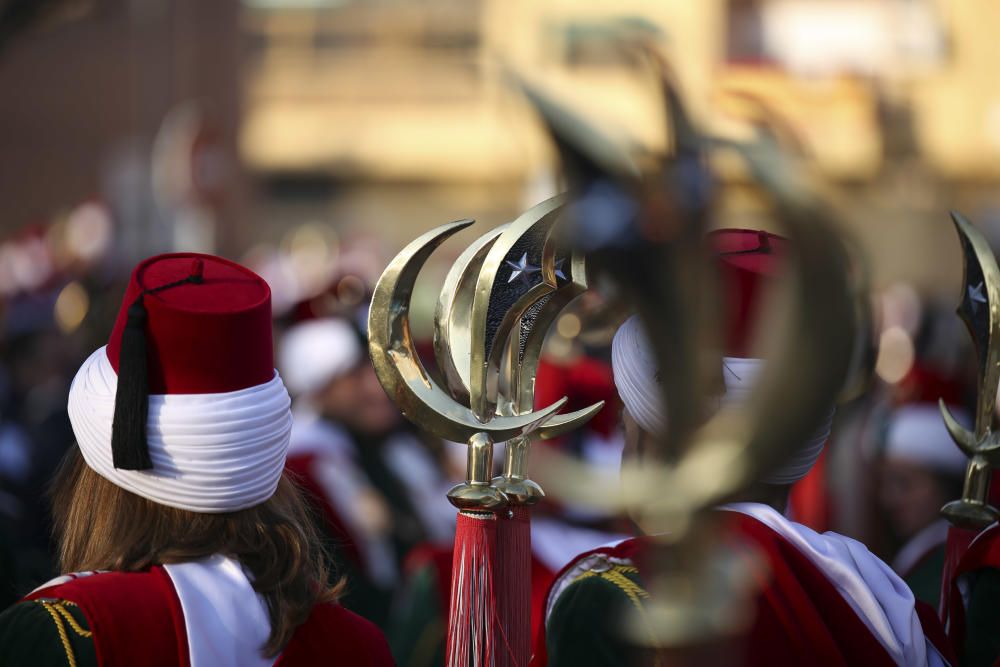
{"x": 193, "y": 612}
{"x": 821, "y": 598}
{"x": 185, "y": 543}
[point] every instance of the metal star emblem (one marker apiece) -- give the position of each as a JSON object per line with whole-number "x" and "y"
{"x": 559, "y": 271}
{"x": 522, "y": 269}
{"x": 976, "y": 296}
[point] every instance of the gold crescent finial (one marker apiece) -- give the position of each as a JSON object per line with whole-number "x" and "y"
{"x": 398, "y": 365}
{"x": 979, "y": 309}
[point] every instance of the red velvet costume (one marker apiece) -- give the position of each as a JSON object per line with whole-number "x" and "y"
{"x": 136, "y": 619}
{"x": 800, "y": 617}
{"x": 184, "y": 408}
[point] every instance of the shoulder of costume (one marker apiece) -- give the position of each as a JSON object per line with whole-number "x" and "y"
{"x": 62, "y": 579}
{"x": 619, "y": 557}
{"x": 46, "y": 631}
{"x": 135, "y": 617}
{"x": 88, "y": 580}
{"x": 103, "y": 595}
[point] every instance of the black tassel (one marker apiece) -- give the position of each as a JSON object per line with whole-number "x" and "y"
{"x": 129, "y": 448}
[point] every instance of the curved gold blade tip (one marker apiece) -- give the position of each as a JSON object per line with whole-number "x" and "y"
{"x": 398, "y": 366}
{"x": 564, "y": 423}
{"x": 965, "y": 439}
{"x": 544, "y": 416}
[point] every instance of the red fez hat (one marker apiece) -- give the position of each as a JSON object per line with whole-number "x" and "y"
{"x": 189, "y": 324}
{"x": 748, "y": 261}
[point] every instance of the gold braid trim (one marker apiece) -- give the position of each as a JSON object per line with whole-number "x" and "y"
{"x": 63, "y": 637}
{"x": 77, "y": 628}
{"x": 633, "y": 591}
{"x": 616, "y": 576}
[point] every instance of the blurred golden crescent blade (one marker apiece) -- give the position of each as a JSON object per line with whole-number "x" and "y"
{"x": 963, "y": 437}
{"x": 808, "y": 358}
{"x": 486, "y": 355}
{"x": 979, "y": 309}
{"x": 398, "y": 365}
{"x": 583, "y": 147}
{"x": 865, "y": 354}
{"x": 693, "y": 468}
{"x": 453, "y": 314}
{"x": 686, "y": 138}
{"x": 778, "y": 174}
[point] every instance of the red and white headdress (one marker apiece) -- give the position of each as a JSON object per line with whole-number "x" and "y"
{"x": 747, "y": 261}
{"x": 183, "y": 406}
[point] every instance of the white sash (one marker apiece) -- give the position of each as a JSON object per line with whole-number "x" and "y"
{"x": 225, "y": 620}
{"x": 879, "y": 597}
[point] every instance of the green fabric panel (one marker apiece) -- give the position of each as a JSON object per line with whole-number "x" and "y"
{"x": 925, "y": 579}
{"x": 417, "y": 630}
{"x": 982, "y": 621}
{"x": 29, "y": 636}
{"x": 362, "y": 595}
{"x": 585, "y": 627}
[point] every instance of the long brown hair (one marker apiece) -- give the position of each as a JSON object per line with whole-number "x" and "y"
{"x": 100, "y": 526}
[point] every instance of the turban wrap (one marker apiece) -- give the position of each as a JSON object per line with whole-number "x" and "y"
{"x": 636, "y": 379}
{"x": 917, "y": 434}
{"x": 211, "y": 453}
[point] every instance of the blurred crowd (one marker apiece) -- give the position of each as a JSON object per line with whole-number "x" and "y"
{"x": 378, "y": 483}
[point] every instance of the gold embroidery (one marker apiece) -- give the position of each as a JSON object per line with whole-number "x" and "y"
{"x": 634, "y": 591}
{"x": 615, "y": 574}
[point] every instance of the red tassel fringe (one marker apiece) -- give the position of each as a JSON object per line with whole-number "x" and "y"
{"x": 472, "y": 614}
{"x": 513, "y": 587}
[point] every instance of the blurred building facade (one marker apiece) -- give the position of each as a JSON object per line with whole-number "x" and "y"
{"x": 895, "y": 98}
{"x": 134, "y": 103}
{"x": 416, "y": 90}
{"x": 225, "y": 124}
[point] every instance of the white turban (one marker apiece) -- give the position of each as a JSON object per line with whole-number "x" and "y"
{"x": 211, "y": 452}
{"x": 636, "y": 379}
{"x": 918, "y": 434}
{"x": 317, "y": 351}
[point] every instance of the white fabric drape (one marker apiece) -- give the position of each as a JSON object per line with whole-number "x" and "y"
{"x": 225, "y": 620}
{"x": 211, "y": 452}
{"x": 879, "y": 597}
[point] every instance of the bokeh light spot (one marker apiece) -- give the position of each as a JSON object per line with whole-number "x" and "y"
{"x": 895, "y": 355}
{"x": 71, "y": 307}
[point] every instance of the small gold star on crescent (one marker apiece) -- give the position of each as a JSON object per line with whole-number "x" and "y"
{"x": 522, "y": 269}
{"x": 559, "y": 270}
{"x": 976, "y": 296}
